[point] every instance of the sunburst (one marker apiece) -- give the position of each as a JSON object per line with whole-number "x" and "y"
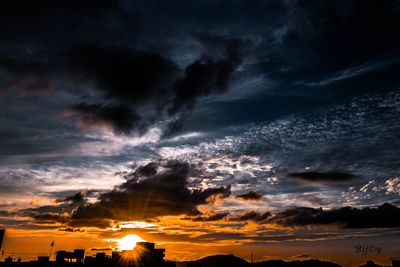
{"x": 128, "y": 242}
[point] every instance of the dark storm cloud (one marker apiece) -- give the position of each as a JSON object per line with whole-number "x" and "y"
{"x": 323, "y": 177}
{"x": 108, "y": 43}
{"x": 250, "y": 196}
{"x": 102, "y": 48}
{"x": 253, "y": 216}
{"x": 147, "y": 170}
{"x": 384, "y": 216}
{"x": 73, "y": 199}
{"x": 120, "y": 118}
{"x": 208, "y": 75}
{"x": 123, "y": 73}
{"x": 211, "y": 73}
{"x": 119, "y": 72}
{"x": 165, "y": 193}
{"x": 55, "y": 213}
{"x": 133, "y": 79}
{"x": 209, "y": 218}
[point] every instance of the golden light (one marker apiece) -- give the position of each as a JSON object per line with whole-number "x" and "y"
{"x": 128, "y": 242}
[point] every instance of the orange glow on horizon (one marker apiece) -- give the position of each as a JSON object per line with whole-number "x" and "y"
{"x": 28, "y": 244}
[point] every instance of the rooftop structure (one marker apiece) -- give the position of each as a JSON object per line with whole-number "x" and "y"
{"x": 64, "y": 256}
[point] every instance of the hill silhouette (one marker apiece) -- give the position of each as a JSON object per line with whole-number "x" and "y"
{"x": 222, "y": 260}
{"x": 234, "y": 261}
{"x": 303, "y": 263}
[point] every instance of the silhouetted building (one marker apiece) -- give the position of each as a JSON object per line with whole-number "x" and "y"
{"x": 100, "y": 259}
{"x": 396, "y": 263}
{"x": 143, "y": 255}
{"x": 370, "y": 264}
{"x": 115, "y": 256}
{"x": 148, "y": 255}
{"x": 42, "y": 259}
{"x": 8, "y": 260}
{"x": 65, "y": 256}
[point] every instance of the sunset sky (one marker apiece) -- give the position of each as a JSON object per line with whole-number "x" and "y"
{"x": 205, "y": 126}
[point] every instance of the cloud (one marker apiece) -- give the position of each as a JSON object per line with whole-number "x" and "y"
{"x": 163, "y": 194}
{"x": 5, "y": 213}
{"x": 122, "y": 73}
{"x": 208, "y": 218}
{"x": 384, "y": 216}
{"x": 253, "y": 216}
{"x": 209, "y": 74}
{"x": 147, "y": 170}
{"x": 48, "y": 218}
{"x": 111, "y": 48}
{"x": 311, "y": 198}
{"x": 250, "y": 196}
{"x": 134, "y": 89}
{"x": 393, "y": 185}
{"x": 58, "y": 213}
{"x": 139, "y": 198}
{"x": 323, "y": 177}
{"x": 70, "y": 229}
{"x": 73, "y": 199}
{"x": 30, "y": 85}
{"x": 120, "y": 118}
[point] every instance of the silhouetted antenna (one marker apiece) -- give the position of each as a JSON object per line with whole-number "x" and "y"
{"x": 51, "y": 249}
{"x": 2, "y": 238}
{"x": 251, "y": 256}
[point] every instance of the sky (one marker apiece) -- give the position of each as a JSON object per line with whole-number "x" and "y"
{"x": 204, "y": 126}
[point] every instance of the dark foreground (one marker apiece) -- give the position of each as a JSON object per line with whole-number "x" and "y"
{"x": 146, "y": 255}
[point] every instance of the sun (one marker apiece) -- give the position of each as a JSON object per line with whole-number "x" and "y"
{"x": 128, "y": 242}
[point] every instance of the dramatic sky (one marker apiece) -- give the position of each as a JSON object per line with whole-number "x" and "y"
{"x": 204, "y": 126}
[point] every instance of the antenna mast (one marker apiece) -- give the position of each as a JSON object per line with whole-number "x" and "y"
{"x": 2, "y": 235}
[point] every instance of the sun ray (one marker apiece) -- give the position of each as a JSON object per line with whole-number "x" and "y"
{"x": 128, "y": 242}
